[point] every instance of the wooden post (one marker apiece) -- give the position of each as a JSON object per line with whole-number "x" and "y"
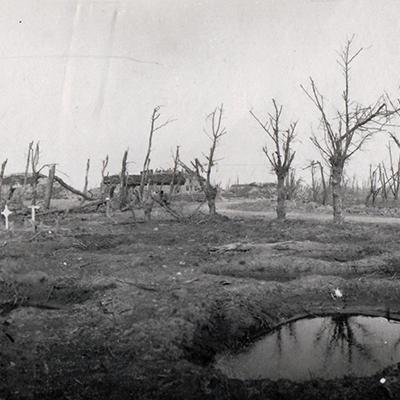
{"x": 85, "y": 187}
{"x": 28, "y": 161}
{"x": 35, "y": 174}
{"x": 174, "y": 172}
{"x": 50, "y": 183}
{"x": 123, "y": 182}
{"x": 103, "y": 174}
{"x": 3, "y": 167}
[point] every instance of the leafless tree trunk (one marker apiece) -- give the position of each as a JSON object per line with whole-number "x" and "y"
{"x": 281, "y": 200}
{"x": 35, "y": 172}
{"x": 395, "y": 175}
{"x": 174, "y": 171}
{"x": 382, "y": 176}
{"x": 323, "y": 183}
{"x": 281, "y": 157}
{"x": 203, "y": 171}
{"x": 315, "y": 188}
{"x": 50, "y": 183}
{"x": 337, "y": 192}
{"x": 373, "y": 186}
{"x": 2, "y": 170}
{"x": 210, "y": 191}
{"x": 292, "y": 184}
{"x": 28, "y": 158}
{"x": 355, "y": 125}
{"x": 103, "y": 175}
{"x": 123, "y": 193}
{"x": 154, "y": 127}
{"x": 36, "y": 175}
{"x": 27, "y": 165}
{"x": 85, "y": 187}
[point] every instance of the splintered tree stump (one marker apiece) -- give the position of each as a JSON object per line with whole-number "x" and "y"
{"x": 50, "y": 184}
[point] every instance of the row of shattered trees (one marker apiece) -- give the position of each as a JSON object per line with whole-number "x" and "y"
{"x": 143, "y": 196}
{"x": 381, "y": 188}
{"x": 27, "y": 186}
{"x": 341, "y": 137}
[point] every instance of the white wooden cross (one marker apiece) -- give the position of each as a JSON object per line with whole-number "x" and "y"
{"x": 6, "y": 212}
{"x": 34, "y": 208}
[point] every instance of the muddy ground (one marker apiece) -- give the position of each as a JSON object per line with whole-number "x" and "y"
{"x": 107, "y": 309}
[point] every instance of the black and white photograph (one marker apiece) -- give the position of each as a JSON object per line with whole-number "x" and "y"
{"x": 199, "y": 199}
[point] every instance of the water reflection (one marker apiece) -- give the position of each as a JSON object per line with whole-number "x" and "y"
{"x": 325, "y": 347}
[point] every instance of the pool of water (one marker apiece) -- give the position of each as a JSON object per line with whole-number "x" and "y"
{"x": 321, "y": 347}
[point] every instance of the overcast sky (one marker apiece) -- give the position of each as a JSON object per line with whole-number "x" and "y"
{"x": 82, "y": 76}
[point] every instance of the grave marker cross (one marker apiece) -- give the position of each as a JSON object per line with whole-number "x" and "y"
{"x": 6, "y": 212}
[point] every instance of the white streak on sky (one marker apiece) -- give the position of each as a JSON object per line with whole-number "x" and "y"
{"x": 67, "y": 84}
{"x": 105, "y": 69}
{"x": 83, "y": 56}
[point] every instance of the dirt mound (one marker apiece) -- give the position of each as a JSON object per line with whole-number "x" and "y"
{"x": 92, "y": 242}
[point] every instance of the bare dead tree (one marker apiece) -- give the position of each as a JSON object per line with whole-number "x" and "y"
{"x": 85, "y": 186}
{"x": 396, "y": 109}
{"x": 395, "y": 174}
{"x": 50, "y": 185}
{"x": 315, "y": 186}
{"x": 104, "y": 165}
{"x": 203, "y": 170}
{"x": 123, "y": 192}
{"x": 36, "y": 170}
{"x": 281, "y": 155}
{"x": 37, "y": 174}
{"x": 174, "y": 171}
{"x": 146, "y": 202}
{"x": 35, "y": 155}
{"x": 154, "y": 127}
{"x": 292, "y": 184}
{"x": 2, "y": 170}
{"x": 351, "y": 128}
{"x": 374, "y": 189}
{"x": 325, "y": 187}
{"x": 319, "y": 188}
{"x": 27, "y": 165}
{"x": 395, "y": 186}
{"x": 383, "y": 181}
{"x": 28, "y": 158}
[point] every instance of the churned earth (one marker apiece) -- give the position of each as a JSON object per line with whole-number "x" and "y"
{"x": 94, "y": 308}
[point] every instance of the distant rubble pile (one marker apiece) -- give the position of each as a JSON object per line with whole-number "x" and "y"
{"x": 13, "y": 189}
{"x": 181, "y": 185}
{"x": 252, "y": 190}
